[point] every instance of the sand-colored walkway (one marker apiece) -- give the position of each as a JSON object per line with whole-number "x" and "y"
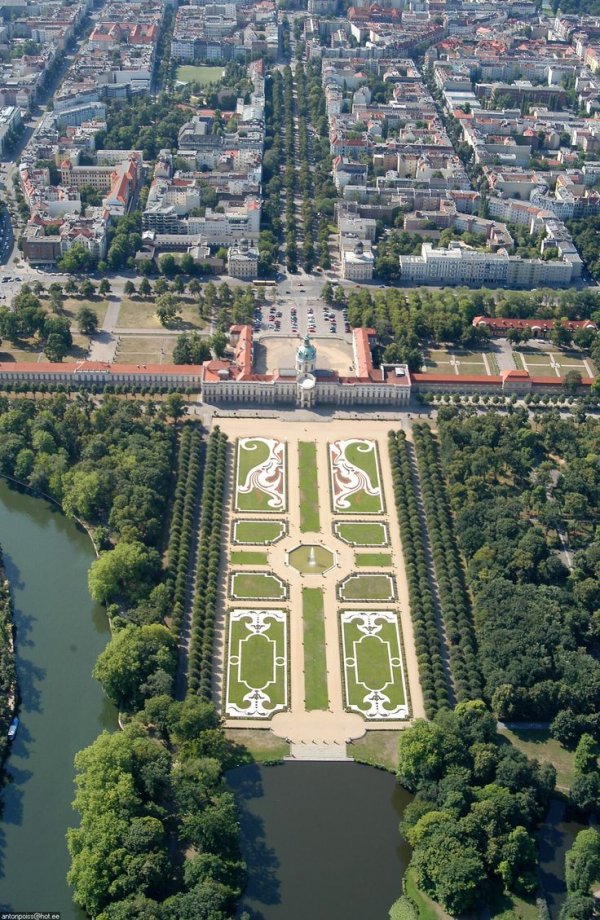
{"x": 334, "y": 726}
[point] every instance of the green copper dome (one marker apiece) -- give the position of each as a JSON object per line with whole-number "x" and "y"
{"x": 307, "y": 351}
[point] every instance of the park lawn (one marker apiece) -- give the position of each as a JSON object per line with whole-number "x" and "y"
{"x": 362, "y": 533}
{"x": 370, "y": 587}
{"x": 145, "y": 349}
{"x": 368, "y": 665}
{"x": 376, "y": 559}
{"x": 426, "y": 908}
{"x": 73, "y": 305}
{"x": 257, "y": 745}
{"x": 188, "y": 73}
{"x": 141, "y": 314}
{"x": 256, "y": 664}
{"x": 467, "y": 368}
{"x": 378, "y": 749}
{"x": 246, "y": 585}
{"x": 309, "y": 494}
{"x": 237, "y": 557}
{"x": 509, "y": 906}
{"x": 315, "y": 662}
{"x": 257, "y": 532}
{"x": 537, "y": 743}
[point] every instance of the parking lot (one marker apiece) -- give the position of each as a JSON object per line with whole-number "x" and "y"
{"x": 314, "y": 318}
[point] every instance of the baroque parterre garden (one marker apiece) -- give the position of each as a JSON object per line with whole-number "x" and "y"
{"x": 314, "y": 618}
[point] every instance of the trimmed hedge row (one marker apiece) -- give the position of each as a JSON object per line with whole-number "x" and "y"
{"x": 455, "y": 601}
{"x": 427, "y": 638}
{"x": 207, "y": 568}
{"x": 189, "y": 478}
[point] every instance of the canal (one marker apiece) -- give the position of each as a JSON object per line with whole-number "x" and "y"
{"x": 60, "y": 633}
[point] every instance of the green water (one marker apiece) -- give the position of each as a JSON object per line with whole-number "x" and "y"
{"x": 60, "y": 632}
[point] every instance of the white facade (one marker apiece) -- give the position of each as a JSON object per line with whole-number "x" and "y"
{"x": 460, "y": 265}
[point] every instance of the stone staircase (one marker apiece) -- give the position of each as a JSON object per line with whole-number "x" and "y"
{"x": 311, "y": 751}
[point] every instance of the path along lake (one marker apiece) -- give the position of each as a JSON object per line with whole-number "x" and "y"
{"x": 60, "y": 633}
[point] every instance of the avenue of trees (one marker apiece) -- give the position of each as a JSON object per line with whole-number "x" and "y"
{"x": 189, "y": 478}
{"x": 454, "y": 598}
{"x": 428, "y": 641}
{"x": 515, "y": 487}
{"x": 477, "y": 804}
{"x": 207, "y": 566}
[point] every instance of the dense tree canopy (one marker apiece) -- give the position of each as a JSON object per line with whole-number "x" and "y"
{"x": 512, "y": 484}
{"x": 477, "y": 802}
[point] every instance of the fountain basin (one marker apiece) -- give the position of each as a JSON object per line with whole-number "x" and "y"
{"x": 311, "y": 558}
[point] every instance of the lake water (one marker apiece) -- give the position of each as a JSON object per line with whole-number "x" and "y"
{"x": 321, "y": 840}
{"x": 60, "y": 633}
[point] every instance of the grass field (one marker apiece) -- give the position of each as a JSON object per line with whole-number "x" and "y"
{"x": 188, "y": 73}
{"x": 355, "y": 479}
{"x": 315, "y": 663}
{"x": 362, "y": 533}
{"x": 309, "y": 494}
{"x": 260, "y": 475}
{"x": 371, "y": 587}
{"x": 538, "y": 744}
{"x": 375, "y": 559}
{"x": 145, "y": 349}
{"x": 256, "y": 585}
{"x": 378, "y": 749}
{"x": 460, "y": 362}
{"x": 257, "y": 532}
{"x": 239, "y": 557}
{"x": 374, "y": 680}
{"x": 141, "y": 314}
{"x": 258, "y": 745}
{"x": 257, "y": 663}
{"x": 552, "y": 363}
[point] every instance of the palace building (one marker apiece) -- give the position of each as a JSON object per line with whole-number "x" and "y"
{"x": 305, "y": 384}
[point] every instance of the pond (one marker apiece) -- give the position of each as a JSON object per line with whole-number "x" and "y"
{"x": 321, "y": 840}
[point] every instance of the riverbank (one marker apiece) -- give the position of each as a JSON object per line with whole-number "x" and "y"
{"x": 9, "y": 697}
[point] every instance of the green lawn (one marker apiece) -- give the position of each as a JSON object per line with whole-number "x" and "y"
{"x": 363, "y": 455}
{"x": 315, "y": 663}
{"x": 257, "y": 661}
{"x": 188, "y": 73}
{"x": 539, "y": 745}
{"x": 376, "y": 748}
{"x": 141, "y": 314}
{"x": 250, "y": 494}
{"x": 257, "y": 745}
{"x": 372, "y": 662}
{"x": 309, "y": 493}
{"x": 258, "y": 532}
{"x": 426, "y": 908}
{"x": 369, "y": 587}
{"x": 247, "y": 585}
{"x": 376, "y": 559}
{"x": 248, "y": 558}
{"x": 362, "y": 533}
